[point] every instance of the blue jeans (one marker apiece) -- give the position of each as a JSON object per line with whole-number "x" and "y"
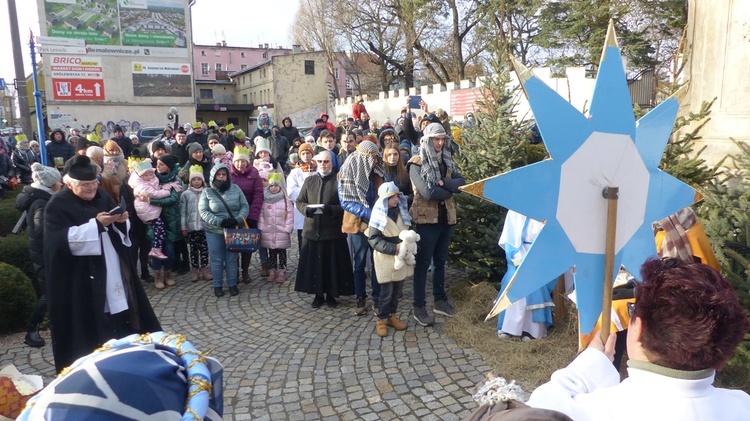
{"x": 432, "y": 247}
{"x": 360, "y": 247}
{"x": 221, "y": 259}
{"x": 168, "y": 249}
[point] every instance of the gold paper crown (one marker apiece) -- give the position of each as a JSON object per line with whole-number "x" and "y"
{"x": 195, "y": 169}
{"x": 229, "y": 126}
{"x": 133, "y": 161}
{"x": 211, "y": 123}
{"x": 93, "y": 137}
{"x": 241, "y": 150}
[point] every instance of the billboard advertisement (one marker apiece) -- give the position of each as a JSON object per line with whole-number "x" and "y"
{"x": 162, "y": 79}
{"x": 76, "y": 78}
{"x": 131, "y": 23}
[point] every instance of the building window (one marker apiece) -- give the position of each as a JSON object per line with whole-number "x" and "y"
{"x": 204, "y": 69}
{"x": 207, "y": 93}
{"x": 218, "y": 67}
{"x": 336, "y": 73}
{"x": 265, "y": 55}
{"x": 243, "y": 66}
{"x": 309, "y": 67}
{"x": 203, "y": 53}
{"x": 217, "y": 53}
{"x": 244, "y": 98}
{"x": 349, "y": 83}
{"x": 242, "y": 55}
{"x": 250, "y": 77}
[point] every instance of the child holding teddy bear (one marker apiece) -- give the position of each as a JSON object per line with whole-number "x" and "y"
{"x": 394, "y": 246}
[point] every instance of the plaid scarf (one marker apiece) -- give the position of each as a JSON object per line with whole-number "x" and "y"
{"x": 354, "y": 176}
{"x": 431, "y": 161}
{"x": 379, "y": 215}
{"x": 676, "y": 243}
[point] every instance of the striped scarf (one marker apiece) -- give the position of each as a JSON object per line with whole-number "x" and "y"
{"x": 354, "y": 176}
{"x": 431, "y": 161}
{"x": 379, "y": 215}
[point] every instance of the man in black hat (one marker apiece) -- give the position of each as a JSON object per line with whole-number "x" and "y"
{"x": 123, "y": 142}
{"x": 92, "y": 283}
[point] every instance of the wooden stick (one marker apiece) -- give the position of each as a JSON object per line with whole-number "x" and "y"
{"x": 611, "y": 194}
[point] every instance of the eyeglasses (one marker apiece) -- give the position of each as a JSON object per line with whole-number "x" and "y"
{"x": 88, "y": 184}
{"x": 324, "y": 162}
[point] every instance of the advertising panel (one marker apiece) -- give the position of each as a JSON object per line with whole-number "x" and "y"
{"x": 162, "y": 79}
{"x": 76, "y": 78}
{"x": 160, "y": 24}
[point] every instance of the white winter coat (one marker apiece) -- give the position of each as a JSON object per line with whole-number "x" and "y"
{"x": 294, "y": 185}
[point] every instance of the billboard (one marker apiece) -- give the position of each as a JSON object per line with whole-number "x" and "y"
{"x": 162, "y": 79}
{"x": 135, "y": 23}
{"x": 76, "y": 78}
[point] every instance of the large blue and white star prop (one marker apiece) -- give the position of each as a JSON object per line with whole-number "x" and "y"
{"x": 588, "y": 153}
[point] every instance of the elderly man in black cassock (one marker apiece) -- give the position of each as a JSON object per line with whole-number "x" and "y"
{"x": 93, "y": 287}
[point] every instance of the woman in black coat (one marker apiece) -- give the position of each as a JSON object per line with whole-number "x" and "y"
{"x": 324, "y": 263}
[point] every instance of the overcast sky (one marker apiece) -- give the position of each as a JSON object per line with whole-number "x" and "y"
{"x": 242, "y": 23}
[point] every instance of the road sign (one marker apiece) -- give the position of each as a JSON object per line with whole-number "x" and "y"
{"x": 71, "y": 42}
{"x": 61, "y": 49}
{"x": 76, "y": 78}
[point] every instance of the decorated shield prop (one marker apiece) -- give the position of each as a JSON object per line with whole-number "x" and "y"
{"x": 589, "y": 154}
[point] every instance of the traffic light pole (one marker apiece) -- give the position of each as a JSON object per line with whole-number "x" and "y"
{"x": 38, "y": 103}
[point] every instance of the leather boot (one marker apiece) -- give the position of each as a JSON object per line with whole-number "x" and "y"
{"x": 158, "y": 281}
{"x": 168, "y": 278}
{"x": 264, "y": 269}
{"x": 32, "y": 338}
{"x": 206, "y": 273}
{"x": 394, "y": 322}
{"x": 195, "y": 275}
{"x": 381, "y": 328}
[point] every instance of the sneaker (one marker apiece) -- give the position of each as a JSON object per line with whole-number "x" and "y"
{"x": 318, "y": 301}
{"x": 331, "y": 302}
{"x": 444, "y": 308}
{"x": 423, "y": 317}
{"x": 157, "y": 254}
{"x": 360, "y": 309}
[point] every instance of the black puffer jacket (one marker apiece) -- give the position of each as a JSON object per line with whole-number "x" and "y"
{"x": 61, "y": 149}
{"x": 33, "y": 201}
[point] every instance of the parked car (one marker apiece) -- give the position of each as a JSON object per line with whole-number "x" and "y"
{"x": 146, "y": 134}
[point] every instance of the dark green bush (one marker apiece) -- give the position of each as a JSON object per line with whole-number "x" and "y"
{"x": 8, "y": 213}
{"x": 14, "y": 250}
{"x": 17, "y": 297}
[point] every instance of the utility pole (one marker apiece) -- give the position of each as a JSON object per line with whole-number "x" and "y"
{"x": 23, "y": 99}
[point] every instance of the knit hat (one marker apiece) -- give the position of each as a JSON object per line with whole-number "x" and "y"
{"x": 387, "y": 190}
{"x": 305, "y": 147}
{"x": 212, "y": 136}
{"x": 93, "y": 137}
{"x": 239, "y": 134}
{"x": 116, "y": 129}
{"x": 261, "y": 144}
{"x": 309, "y": 139}
{"x": 229, "y": 126}
{"x": 196, "y": 171}
{"x": 112, "y": 149}
{"x": 143, "y": 167}
{"x": 275, "y": 179}
{"x": 169, "y": 160}
{"x": 241, "y": 152}
{"x": 218, "y": 149}
{"x": 134, "y": 137}
{"x": 81, "y": 143}
{"x": 156, "y": 145}
{"x": 33, "y": 143}
{"x": 264, "y": 120}
{"x": 82, "y": 169}
{"x": 46, "y": 176}
{"x": 194, "y": 147}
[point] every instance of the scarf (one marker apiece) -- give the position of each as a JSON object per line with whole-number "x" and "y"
{"x": 431, "y": 161}
{"x": 379, "y": 214}
{"x": 306, "y": 167}
{"x": 676, "y": 243}
{"x": 272, "y": 198}
{"x": 197, "y": 191}
{"x": 354, "y": 177}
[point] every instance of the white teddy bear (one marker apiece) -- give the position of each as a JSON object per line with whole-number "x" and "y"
{"x": 408, "y": 250}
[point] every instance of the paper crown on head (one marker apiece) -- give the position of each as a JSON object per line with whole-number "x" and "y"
{"x": 229, "y": 127}
{"x": 21, "y": 137}
{"x": 211, "y": 123}
{"x": 196, "y": 171}
{"x": 143, "y": 166}
{"x": 133, "y": 161}
{"x": 262, "y": 144}
{"x": 93, "y": 137}
{"x": 197, "y": 125}
{"x": 275, "y": 178}
{"x": 241, "y": 152}
{"x": 239, "y": 134}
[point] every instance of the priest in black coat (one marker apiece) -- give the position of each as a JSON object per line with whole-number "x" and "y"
{"x": 92, "y": 283}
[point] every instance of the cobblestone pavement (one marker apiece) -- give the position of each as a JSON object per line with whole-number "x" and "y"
{"x": 284, "y": 360}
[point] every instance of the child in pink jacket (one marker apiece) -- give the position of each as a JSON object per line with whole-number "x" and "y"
{"x": 146, "y": 187}
{"x": 276, "y": 224}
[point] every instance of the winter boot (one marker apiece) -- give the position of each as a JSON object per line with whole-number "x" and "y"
{"x": 206, "y": 273}
{"x": 245, "y": 276}
{"x": 272, "y": 275}
{"x": 32, "y": 338}
{"x": 195, "y": 275}
{"x": 280, "y": 275}
{"x": 158, "y": 281}
{"x": 382, "y": 328}
{"x": 397, "y": 324}
{"x": 168, "y": 278}
{"x": 264, "y": 269}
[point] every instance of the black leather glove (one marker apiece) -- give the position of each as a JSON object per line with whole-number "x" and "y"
{"x": 252, "y": 223}
{"x": 228, "y": 223}
{"x": 327, "y": 210}
{"x": 310, "y": 211}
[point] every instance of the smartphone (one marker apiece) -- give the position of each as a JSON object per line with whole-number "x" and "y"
{"x": 414, "y": 101}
